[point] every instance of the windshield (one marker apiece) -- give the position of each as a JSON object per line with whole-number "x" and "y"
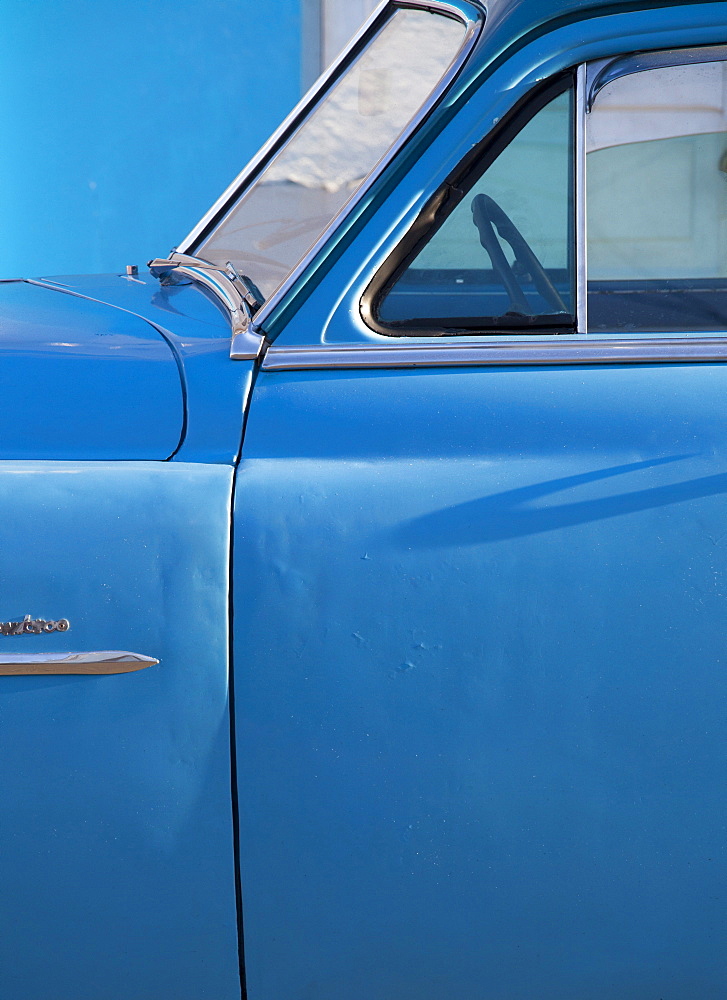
{"x": 303, "y": 188}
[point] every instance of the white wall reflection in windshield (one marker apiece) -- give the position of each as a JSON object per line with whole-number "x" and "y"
{"x": 306, "y": 184}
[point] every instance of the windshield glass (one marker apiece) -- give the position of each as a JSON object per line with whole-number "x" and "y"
{"x": 302, "y": 189}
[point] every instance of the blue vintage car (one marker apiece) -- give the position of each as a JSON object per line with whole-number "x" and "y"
{"x": 364, "y": 561}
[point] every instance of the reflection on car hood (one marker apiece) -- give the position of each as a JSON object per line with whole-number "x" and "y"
{"x": 83, "y": 380}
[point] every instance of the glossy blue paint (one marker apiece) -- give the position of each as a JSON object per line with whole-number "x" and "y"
{"x": 116, "y": 858}
{"x": 81, "y": 380}
{"x": 512, "y": 23}
{"x": 478, "y": 631}
{"x": 198, "y": 331}
{"x": 480, "y": 698}
{"x": 480, "y": 684}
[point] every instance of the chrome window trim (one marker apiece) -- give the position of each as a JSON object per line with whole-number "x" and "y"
{"x": 584, "y": 348}
{"x": 604, "y": 71}
{"x": 485, "y": 354}
{"x": 299, "y": 113}
{"x": 467, "y": 13}
{"x": 446, "y": 198}
{"x": 581, "y": 248}
{"x": 579, "y": 349}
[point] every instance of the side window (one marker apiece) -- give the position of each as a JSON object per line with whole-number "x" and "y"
{"x": 656, "y": 170}
{"x": 502, "y": 259}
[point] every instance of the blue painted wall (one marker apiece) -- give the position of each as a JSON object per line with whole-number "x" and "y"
{"x": 123, "y": 122}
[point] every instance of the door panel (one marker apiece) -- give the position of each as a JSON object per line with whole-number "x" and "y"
{"x": 116, "y": 860}
{"x": 480, "y": 632}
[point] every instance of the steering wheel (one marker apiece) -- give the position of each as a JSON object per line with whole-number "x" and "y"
{"x": 488, "y": 217}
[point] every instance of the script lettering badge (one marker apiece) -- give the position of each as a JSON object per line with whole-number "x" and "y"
{"x": 34, "y": 626}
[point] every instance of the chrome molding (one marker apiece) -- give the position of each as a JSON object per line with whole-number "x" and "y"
{"x": 559, "y": 351}
{"x": 105, "y": 661}
{"x": 247, "y": 341}
{"x": 605, "y": 71}
{"x": 248, "y": 344}
{"x": 581, "y": 204}
{"x": 471, "y": 16}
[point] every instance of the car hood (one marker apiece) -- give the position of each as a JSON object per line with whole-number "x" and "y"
{"x": 81, "y": 379}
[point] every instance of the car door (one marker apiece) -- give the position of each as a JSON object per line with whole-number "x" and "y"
{"x": 480, "y": 551}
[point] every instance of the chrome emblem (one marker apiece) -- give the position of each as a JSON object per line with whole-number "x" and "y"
{"x": 30, "y": 625}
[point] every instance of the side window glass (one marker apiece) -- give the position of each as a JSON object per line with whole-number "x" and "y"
{"x": 656, "y": 169}
{"x": 503, "y": 258}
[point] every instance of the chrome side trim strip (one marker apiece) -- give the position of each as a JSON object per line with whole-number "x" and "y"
{"x": 105, "y": 661}
{"x": 581, "y": 205}
{"x": 441, "y": 355}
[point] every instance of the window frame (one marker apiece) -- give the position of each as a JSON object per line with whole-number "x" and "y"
{"x": 446, "y": 199}
{"x": 507, "y": 346}
{"x": 593, "y": 78}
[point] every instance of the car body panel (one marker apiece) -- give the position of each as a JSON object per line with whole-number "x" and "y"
{"x": 81, "y": 380}
{"x": 116, "y": 845}
{"x": 215, "y": 392}
{"x": 481, "y": 727}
